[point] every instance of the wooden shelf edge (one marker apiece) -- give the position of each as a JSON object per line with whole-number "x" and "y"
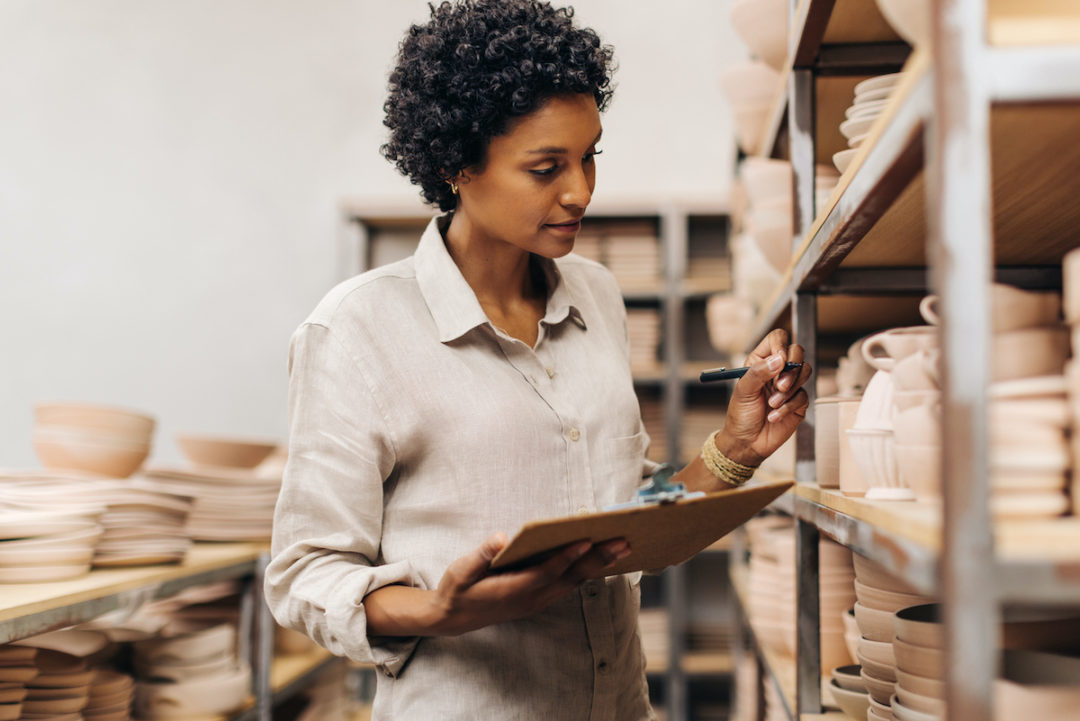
{"x": 289, "y": 674}
{"x": 29, "y": 609}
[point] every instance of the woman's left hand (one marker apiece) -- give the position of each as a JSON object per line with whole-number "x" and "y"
{"x": 767, "y": 403}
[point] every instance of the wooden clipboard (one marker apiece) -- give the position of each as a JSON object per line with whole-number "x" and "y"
{"x": 660, "y": 535}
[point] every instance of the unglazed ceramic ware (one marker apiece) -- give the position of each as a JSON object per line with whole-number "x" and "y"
{"x": 909, "y": 18}
{"x": 762, "y": 25}
{"x": 853, "y": 703}
{"x": 884, "y": 350}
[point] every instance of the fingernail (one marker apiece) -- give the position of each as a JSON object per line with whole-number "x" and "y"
{"x": 581, "y": 549}
{"x": 774, "y": 416}
{"x": 774, "y": 362}
{"x": 622, "y": 554}
{"x": 784, "y": 383}
{"x": 776, "y": 399}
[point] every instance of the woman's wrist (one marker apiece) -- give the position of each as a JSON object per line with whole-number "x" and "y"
{"x": 736, "y": 450}
{"x": 404, "y": 611}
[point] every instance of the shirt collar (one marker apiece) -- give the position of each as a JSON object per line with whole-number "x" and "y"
{"x": 451, "y": 300}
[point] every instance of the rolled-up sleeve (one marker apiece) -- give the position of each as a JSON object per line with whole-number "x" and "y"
{"x": 329, "y": 516}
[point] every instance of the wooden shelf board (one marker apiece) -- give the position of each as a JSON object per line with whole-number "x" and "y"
{"x": 21, "y": 600}
{"x": 704, "y": 286}
{"x": 827, "y": 716}
{"x": 703, "y": 663}
{"x": 1033, "y": 22}
{"x": 285, "y": 670}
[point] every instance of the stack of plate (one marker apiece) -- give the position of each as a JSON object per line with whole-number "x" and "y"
{"x": 230, "y": 504}
{"x": 61, "y": 688}
{"x": 643, "y": 328}
{"x": 633, "y": 257}
{"x": 195, "y": 672}
{"x": 111, "y": 694}
{"x": 16, "y": 669}
{"x": 871, "y": 97}
{"x": 141, "y": 526}
{"x": 653, "y": 626}
{"x": 40, "y": 546}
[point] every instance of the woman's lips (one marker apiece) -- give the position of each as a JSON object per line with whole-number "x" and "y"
{"x": 565, "y": 227}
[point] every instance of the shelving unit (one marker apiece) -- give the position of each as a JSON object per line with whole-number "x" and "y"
{"x": 30, "y": 609}
{"x": 968, "y": 176}
{"x": 380, "y": 232}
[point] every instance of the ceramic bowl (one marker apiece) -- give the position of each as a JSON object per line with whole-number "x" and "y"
{"x": 872, "y": 96}
{"x": 118, "y": 423}
{"x": 762, "y": 25}
{"x": 875, "y": 107}
{"x": 920, "y": 625}
{"x": 920, "y": 703}
{"x": 884, "y": 350}
{"x": 209, "y": 643}
{"x": 750, "y": 123}
{"x": 1037, "y": 686}
{"x": 880, "y": 652}
{"x": 851, "y": 624}
{"x": 775, "y": 242}
{"x": 879, "y": 678}
{"x": 210, "y": 696}
{"x": 750, "y": 83}
{"x": 927, "y": 687}
{"x": 920, "y": 470}
{"x": 874, "y": 624}
{"x": 880, "y": 710}
{"x": 849, "y": 677}
{"x": 901, "y": 712}
{"x": 882, "y": 600}
{"x": 63, "y": 448}
{"x": 909, "y": 18}
{"x": 853, "y": 703}
{"x": 1029, "y": 352}
{"x": 1014, "y": 309}
{"x": 878, "y": 82}
{"x": 873, "y": 574}
{"x": 919, "y": 660}
{"x": 224, "y": 452}
{"x": 766, "y": 179}
{"x": 856, "y": 126}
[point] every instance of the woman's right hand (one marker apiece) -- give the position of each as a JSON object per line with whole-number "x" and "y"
{"x": 468, "y": 597}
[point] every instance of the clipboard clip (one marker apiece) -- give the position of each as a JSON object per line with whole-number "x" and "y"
{"x": 659, "y": 491}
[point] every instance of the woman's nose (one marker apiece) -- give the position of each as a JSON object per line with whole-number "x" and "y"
{"x": 578, "y": 190}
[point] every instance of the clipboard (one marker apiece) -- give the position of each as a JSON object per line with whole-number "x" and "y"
{"x": 664, "y": 528}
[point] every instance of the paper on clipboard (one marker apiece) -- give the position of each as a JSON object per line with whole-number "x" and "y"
{"x": 660, "y": 535}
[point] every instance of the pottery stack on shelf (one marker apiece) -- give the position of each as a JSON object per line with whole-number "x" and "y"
{"x": 871, "y": 98}
{"x": 39, "y": 545}
{"x": 728, "y": 317}
{"x": 769, "y": 216}
{"x": 140, "y": 526}
{"x": 1028, "y": 412}
{"x": 194, "y": 671}
{"x": 1035, "y": 685}
{"x": 653, "y": 625}
{"x": 632, "y": 254}
{"x": 849, "y": 692}
{"x": 763, "y": 26}
{"x": 751, "y": 87}
{"x": 16, "y": 669}
{"x": 909, "y": 18}
{"x": 880, "y": 595}
{"x": 1071, "y": 301}
{"x": 111, "y": 696}
{"x": 643, "y": 328}
{"x": 110, "y": 442}
{"x": 62, "y": 685}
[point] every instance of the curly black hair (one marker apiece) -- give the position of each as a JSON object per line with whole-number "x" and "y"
{"x": 473, "y": 67}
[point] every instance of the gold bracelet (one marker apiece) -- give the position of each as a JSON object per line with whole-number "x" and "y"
{"x": 727, "y": 470}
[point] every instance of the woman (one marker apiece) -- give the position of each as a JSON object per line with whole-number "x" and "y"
{"x": 442, "y": 401}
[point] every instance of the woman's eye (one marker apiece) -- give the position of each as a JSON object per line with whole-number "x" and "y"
{"x": 544, "y": 171}
{"x": 589, "y": 157}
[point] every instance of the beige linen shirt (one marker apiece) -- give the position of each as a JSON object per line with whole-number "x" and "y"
{"x": 418, "y": 429}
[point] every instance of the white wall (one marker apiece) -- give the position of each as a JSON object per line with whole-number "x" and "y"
{"x": 170, "y": 174}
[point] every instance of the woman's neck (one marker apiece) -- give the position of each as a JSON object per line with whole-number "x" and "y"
{"x": 498, "y": 272}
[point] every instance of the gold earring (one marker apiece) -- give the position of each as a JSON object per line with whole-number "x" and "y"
{"x": 453, "y": 187}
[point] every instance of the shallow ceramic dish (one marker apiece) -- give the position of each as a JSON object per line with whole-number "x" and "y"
{"x": 13, "y": 694}
{"x": 207, "y": 643}
{"x": 227, "y": 452}
{"x": 87, "y": 534}
{"x": 875, "y": 106}
{"x": 849, "y": 677}
{"x": 857, "y": 126}
{"x": 216, "y": 695}
{"x": 65, "y": 556}
{"x": 10, "y": 711}
{"x": 878, "y": 82}
{"x": 877, "y": 651}
{"x": 1028, "y": 505}
{"x": 871, "y": 96}
{"x": 918, "y": 702}
{"x": 18, "y": 674}
{"x": 42, "y": 693}
{"x": 16, "y": 525}
{"x": 38, "y": 574}
{"x": 843, "y": 158}
{"x": 74, "y": 642}
{"x": 891, "y": 601}
{"x": 54, "y": 705}
{"x": 63, "y": 680}
{"x": 853, "y": 703}
{"x": 14, "y": 655}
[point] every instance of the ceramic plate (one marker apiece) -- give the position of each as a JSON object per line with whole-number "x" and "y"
{"x": 1039, "y": 386}
{"x": 83, "y": 537}
{"x": 143, "y": 559}
{"x": 29, "y": 524}
{"x": 878, "y": 82}
{"x": 1034, "y": 505}
{"x": 62, "y": 555}
{"x": 856, "y": 126}
{"x": 18, "y": 674}
{"x": 76, "y": 643}
{"x": 843, "y": 159}
{"x": 37, "y": 574}
{"x": 875, "y": 106}
{"x": 873, "y": 96}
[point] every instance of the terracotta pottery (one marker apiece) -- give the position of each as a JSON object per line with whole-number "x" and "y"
{"x": 875, "y": 624}
{"x": 853, "y": 703}
{"x": 884, "y": 350}
{"x": 919, "y": 660}
{"x": 930, "y": 687}
{"x": 762, "y": 25}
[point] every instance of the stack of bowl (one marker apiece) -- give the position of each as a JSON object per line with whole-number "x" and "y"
{"x": 107, "y": 441}
{"x": 16, "y": 669}
{"x": 111, "y": 695}
{"x": 728, "y": 317}
{"x": 751, "y": 87}
{"x": 38, "y": 546}
{"x": 871, "y": 97}
{"x": 769, "y": 217}
{"x": 763, "y": 26}
{"x": 909, "y": 18}
{"x": 849, "y": 691}
{"x": 880, "y": 595}
{"x": 919, "y": 648}
{"x": 194, "y": 672}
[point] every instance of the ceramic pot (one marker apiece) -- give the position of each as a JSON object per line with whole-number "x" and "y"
{"x": 875, "y": 455}
{"x": 877, "y": 408}
{"x": 918, "y": 372}
{"x": 826, "y": 440}
{"x": 884, "y": 350}
{"x": 1029, "y": 352}
{"x": 851, "y": 480}
{"x": 920, "y": 470}
{"x": 918, "y": 425}
{"x": 1013, "y": 308}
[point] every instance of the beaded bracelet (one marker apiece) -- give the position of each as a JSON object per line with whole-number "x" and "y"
{"x": 727, "y": 470}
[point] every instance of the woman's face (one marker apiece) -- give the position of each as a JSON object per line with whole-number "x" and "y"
{"x": 537, "y": 179}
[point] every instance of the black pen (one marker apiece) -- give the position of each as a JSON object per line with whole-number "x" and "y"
{"x": 727, "y": 374}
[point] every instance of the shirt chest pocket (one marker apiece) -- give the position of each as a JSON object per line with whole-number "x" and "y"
{"x": 617, "y": 468}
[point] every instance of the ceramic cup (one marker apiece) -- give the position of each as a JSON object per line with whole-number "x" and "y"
{"x": 883, "y": 350}
{"x": 920, "y": 470}
{"x": 1013, "y": 308}
{"x": 875, "y": 455}
{"x": 850, "y": 480}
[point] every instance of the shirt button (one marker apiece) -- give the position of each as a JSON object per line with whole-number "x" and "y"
{"x": 603, "y": 667}
{"x": 574, "y": 434}
{"x": 582, "y": 510}
{"x": 550, "y": 372}
{"x": 591, "y": 590}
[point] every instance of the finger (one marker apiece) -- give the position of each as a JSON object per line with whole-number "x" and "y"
{"x": 775, "y": 342}
{"x": 794, "y": 409}
{"x": 597, "y": 561}
{"x": 759, "y": 376}
{"x": 470, "y": 568}
{"x": 785, "y": 387}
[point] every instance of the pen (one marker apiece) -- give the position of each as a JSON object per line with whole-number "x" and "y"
{"x": 727, "y": 374}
